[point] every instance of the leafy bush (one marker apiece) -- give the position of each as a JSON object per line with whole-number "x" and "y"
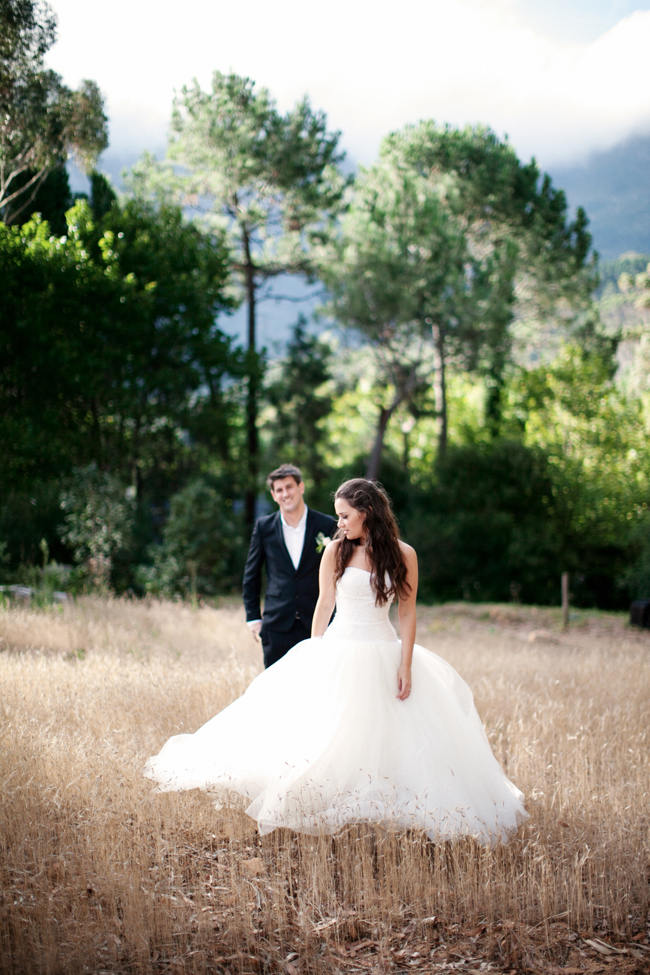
{"x": 637, "y": 575}
{"x": 45, "y": 579}
{"x": 4, "y": 557}
{"x": 26, "y": 517}
{"x": 492, "y": 525}
{"x": 98, "y": 517}
{"x": 203, "y": 549}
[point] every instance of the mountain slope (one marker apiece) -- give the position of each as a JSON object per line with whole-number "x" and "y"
{"x": 614, "y": 188}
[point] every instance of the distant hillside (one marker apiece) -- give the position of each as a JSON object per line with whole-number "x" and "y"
{"x": 614, "y": 189}
{"x": 610, "y": 271}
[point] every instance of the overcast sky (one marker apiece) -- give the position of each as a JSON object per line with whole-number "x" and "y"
{"x": 559, "y": 77}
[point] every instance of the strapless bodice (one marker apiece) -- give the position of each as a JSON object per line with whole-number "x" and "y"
{"x": 357, "y": 615}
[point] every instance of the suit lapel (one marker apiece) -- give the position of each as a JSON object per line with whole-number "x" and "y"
{"x": 309, "y": 536}
{"x": 279, "y": 538}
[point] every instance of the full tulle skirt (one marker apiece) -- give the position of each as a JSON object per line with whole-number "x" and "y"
{"x": 320, "y": 740}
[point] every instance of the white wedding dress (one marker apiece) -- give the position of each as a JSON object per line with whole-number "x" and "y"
{"x": 320, "y": 739}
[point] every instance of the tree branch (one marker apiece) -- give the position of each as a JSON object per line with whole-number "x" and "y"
{"x": 37, "y": 182}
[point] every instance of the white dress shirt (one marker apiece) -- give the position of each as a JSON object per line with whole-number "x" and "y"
{"x": 294, "y": 537}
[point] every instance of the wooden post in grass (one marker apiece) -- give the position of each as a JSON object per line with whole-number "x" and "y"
{"x": 565, "y": 600}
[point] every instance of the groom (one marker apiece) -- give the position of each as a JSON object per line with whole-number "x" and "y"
{"x": 286, "y": 543}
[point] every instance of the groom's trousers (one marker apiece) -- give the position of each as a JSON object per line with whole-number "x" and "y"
{"x": 275, "y": 644}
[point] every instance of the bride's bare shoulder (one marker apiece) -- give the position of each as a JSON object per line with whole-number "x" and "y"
{"x": 331, "y": 548}
{"x": 408, "y": 552}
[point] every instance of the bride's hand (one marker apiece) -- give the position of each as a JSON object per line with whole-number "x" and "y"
{"x": 403, "y": 682}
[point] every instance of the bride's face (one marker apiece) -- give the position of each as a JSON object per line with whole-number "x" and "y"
{"x": 351, "y": 521}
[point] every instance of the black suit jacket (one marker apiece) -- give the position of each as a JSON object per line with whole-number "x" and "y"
{"x": 290, "y": 593}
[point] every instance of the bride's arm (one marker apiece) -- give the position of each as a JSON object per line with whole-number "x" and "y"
{"x": 407, "y": 620}
{"x": 326, "y": 591}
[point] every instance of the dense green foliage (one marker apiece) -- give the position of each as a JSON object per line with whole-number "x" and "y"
{"x": 493, "y": 526}
{"x": 109, "y": 341}
{"x": 472, "y": 366}
{"x": 203, "y": 543}
{"x": 97, "y": 519}
{"x": 109, "y": 354}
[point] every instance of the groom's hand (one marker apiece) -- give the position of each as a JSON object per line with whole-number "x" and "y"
{"x": 255, "y": 626}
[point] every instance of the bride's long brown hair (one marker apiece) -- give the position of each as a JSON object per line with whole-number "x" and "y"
{"x": 382, "y": 539}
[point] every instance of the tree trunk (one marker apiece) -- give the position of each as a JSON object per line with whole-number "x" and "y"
{"x": 253, "y": 385}
{"x": 440, "y": 385}
{"x": 404, "y": 390}
{"x": 374, "y": 461}
{"x": 493, "y": 404}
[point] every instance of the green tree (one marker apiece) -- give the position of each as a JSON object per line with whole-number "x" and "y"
{"x": 110, "y": 351}
{"x": 596, "y": 436}
{"x": 634, "y": 298}
{"x": 539, "y": 269}
{"x": 636, "y": 575}
{"x": 165, "y": 364}
{"x": 493, "y": 525}
{"x": 28, "y": 31}
{"x": 398, "y": 264}
{"x": 300, "y": 398}
{"x": 102, "y": 195}
{"x": 272, "y": 179}
{"x": 42, "y": 121}
{"x": 97, "y": 520}
{"x": 52, "y": 199}
{"x": 202, "y": 548}
{"x": 450, "y": 236}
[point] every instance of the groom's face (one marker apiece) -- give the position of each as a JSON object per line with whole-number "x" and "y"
{"x": 287, "y": 494}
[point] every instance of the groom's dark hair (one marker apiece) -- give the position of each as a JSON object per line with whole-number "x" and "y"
{"x": 284, "y": 470}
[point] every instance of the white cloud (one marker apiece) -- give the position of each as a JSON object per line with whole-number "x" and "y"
{"x": 373, "y": 66}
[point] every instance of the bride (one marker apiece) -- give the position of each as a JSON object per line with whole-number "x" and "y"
{"x": 355, "y": 724}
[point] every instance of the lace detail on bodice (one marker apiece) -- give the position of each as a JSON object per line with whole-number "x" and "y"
{"x": 357, "y": 615}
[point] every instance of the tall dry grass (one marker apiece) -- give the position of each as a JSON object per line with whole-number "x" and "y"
{"x": 98, "y": 873}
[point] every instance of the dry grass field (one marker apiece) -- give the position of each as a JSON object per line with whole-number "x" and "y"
{"x": 98, "y": 873}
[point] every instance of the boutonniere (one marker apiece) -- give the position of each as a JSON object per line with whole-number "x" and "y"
{"x": 322, "y": 541}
